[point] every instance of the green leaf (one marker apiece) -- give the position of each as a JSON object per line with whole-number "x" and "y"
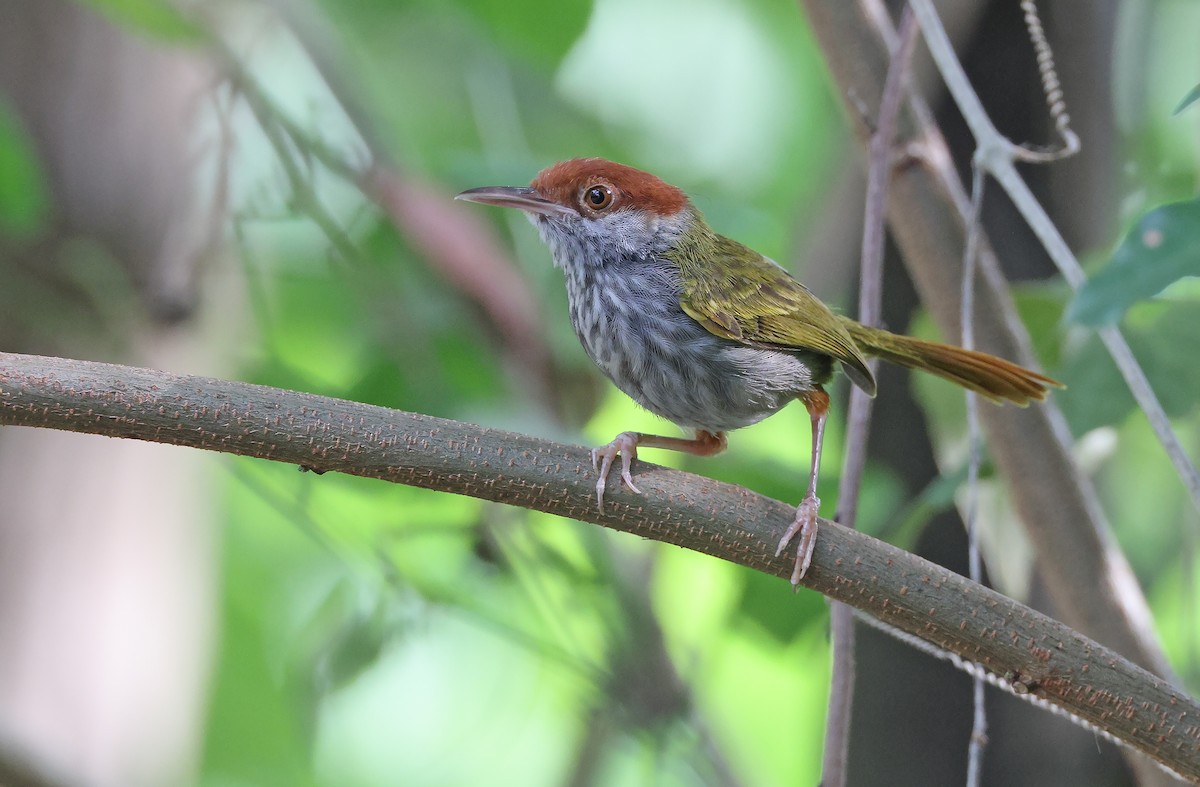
{"x": 558, "y": 25}
{"x": 156, "y": 18}
{"x": 255, "y": 731}
{"x": 762, "y": 603}
{"x": 1160, "y": 335}
{"x": 24, "y": 198}
{"x": 1162, "y": 248}
{"x": 1191, "y": 98}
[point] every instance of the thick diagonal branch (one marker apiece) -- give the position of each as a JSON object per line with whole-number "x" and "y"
{"x": 1040, "y": 654}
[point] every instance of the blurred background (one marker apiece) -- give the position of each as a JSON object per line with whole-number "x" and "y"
{"x": 262, "y": 191}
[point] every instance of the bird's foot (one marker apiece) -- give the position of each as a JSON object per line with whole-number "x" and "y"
{"x": 805, "y": 524}
{"x": 623, "y": 445}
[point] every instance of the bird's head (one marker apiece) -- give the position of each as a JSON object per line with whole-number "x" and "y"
{"x": 589, "y": 210}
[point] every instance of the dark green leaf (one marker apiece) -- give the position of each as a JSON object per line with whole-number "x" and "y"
{"x": 258, "y": 725}
{"x": 1162, "y": 248}
{"x": 766, "y": 605}
{"x": 1160, "y": 335}
{"x": 24, "y": 201}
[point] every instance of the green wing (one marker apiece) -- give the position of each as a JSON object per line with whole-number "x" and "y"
{"x": 746, "y": 297}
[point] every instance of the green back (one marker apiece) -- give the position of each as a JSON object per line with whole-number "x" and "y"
{"x": 737, "y": 293}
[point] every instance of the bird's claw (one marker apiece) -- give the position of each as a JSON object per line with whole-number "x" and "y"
{"x": 623, "y": 445}
{"x": 805, "y": 524}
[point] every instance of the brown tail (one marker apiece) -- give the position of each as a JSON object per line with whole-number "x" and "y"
{"x": 988, "y": 375}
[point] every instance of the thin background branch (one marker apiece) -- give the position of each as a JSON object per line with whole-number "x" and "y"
{"x": 870, "y": 307}
{"x": 978, "y": 739}
{"x": 1054, "y": 100}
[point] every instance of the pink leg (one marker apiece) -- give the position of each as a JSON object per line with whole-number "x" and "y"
{"x": 805, "y": 523}
{"x": 626, "y": 445}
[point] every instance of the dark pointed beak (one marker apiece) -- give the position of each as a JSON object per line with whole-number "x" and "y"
{"x": 520, "y": 197}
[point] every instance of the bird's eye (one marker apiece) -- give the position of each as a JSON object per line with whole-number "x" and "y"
{"x": 598, "y": 197}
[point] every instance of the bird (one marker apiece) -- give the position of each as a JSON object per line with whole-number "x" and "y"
{"x": 707, "y": 333}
